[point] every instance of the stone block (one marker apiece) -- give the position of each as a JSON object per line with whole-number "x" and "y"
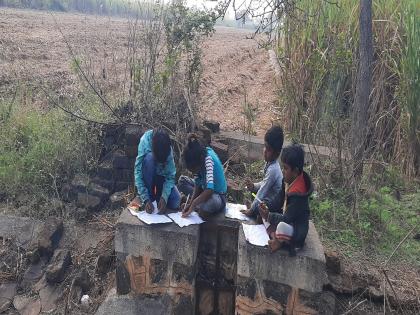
{"x": 90, "y": 202}
{"x": 123, "y": 186}
{"x": 105, "y": 170}
{"x": 118, "y": 200}
{"x": 222, "y": 150}
{"x": 103, "y": 263}
{"x": 20, "y": 229}
{"x": 204, "y": 134}
{"x": 333, "y": 262}
{"x": 49, "y": 236}
{"x": 58, "y": 266}
{"x": 214, "y": 126}
{"x": 124, "y": 175}
{"x": 7, "y": 292}
{"x": 278, "y": 283}
{"x": 133, "y": 133}
{"x": 99, "y": 191}
{"x": 131, "y": 151}
{"x": 80, "y": 182}
{"x": 120, "y": 160}
{"x": 108, "y": 184}
{"x": 27, "y": 305}
{"x": 112, "y": 130}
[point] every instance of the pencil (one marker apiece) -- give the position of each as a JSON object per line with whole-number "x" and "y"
{"x": 186, "y": 203}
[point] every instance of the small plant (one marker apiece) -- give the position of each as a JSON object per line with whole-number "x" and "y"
{"x": 249, "y": 114}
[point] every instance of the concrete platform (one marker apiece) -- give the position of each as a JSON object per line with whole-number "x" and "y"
{"x": 157, "y": 261}
{"x": 277, "y": 282}
{"x": 168, "y": 242}
{"x": 210, "y": 268}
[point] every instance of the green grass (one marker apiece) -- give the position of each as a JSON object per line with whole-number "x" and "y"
{"x": 41, "y": 150}
{"x": 379, "y": 223}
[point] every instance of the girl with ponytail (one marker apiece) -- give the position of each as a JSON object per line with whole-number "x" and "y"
{"x": 208, "y": 188}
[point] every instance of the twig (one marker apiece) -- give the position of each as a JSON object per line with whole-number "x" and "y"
{"x": 356, "y": 306}
{"x": 83, "y": 73}
{"x": 398, "y": 246}
{"x": 392, "y": 288}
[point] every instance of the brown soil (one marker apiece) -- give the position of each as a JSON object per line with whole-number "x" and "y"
{"x": 234, "y": 66}
{"x": 33, "y": 52}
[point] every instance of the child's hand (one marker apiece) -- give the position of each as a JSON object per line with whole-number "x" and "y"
{"x": 187, "y": 212}
{"x": 249, "y": 184}
{"x": 263, "y": 211}
{"x": 247, "y": 212}
{"x": 149, "y": 207}
{"x": 162, "y": 206}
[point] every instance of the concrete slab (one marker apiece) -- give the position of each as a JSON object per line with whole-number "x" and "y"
{"x": 304, "y": 271}
{"x": 251, "y": 147}
{"x": 167, "y": 242}
{"x": 157, "y": 261}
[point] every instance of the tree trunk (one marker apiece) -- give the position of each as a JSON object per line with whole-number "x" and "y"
{"x": 363, "y": 88}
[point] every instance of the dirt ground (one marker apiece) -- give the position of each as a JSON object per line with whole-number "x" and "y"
{"x": 33, "y": 52}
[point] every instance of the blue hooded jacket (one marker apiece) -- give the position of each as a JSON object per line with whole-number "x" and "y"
{"x": 167, "y": 169}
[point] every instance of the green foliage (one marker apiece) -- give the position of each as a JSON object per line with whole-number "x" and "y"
{"x": 380, "y": 222}
{"x": 41, "y": 150}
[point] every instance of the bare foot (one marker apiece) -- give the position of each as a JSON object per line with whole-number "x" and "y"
{"x": 274, "y": 245}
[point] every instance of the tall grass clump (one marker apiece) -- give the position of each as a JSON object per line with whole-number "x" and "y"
{"x": 319, "y": 50}
{"x": 41, "y": 150}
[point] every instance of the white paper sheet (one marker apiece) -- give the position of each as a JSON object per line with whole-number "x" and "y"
{"x": 135, "y": 213}
{"x": 233, "y": 211}
{"x": 193, "y": 218}
{"x": 256, "y": 234}
{"x": 266, "y": 224}
{"x": 151, "y": 218}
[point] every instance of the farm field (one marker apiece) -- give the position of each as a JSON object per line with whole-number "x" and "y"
{"x": 33, "y": 51}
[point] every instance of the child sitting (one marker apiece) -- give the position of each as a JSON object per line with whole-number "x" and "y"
{"x": 271, "y": 184}
{"x": 208, "y": 189}
{"x": 293, "y": 223}
{"x": 154, "y": 172}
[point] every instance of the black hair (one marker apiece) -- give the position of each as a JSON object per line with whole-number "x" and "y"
{"x": 294, "y": 156}
{"x": 161, "y": 145}
{"x": 274, "y": 138}
{"x": 194, "y": 153}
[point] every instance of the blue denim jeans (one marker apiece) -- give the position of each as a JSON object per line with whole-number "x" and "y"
{"x": 154, "y": 183}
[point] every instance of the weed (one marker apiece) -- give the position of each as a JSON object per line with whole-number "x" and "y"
{"x": 41, "y": 150}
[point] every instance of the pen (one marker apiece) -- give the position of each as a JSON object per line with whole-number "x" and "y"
{"x": 258, "y": 199}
